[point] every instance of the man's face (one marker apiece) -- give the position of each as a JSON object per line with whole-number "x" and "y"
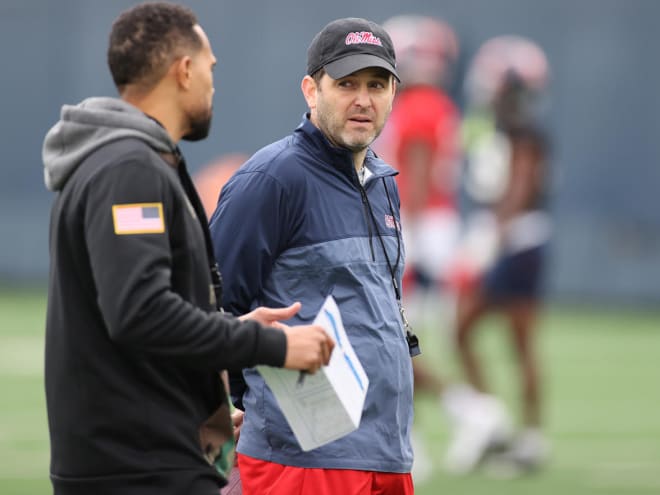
{"x": 199, "y": 104}
{"x": 352, "y": 111}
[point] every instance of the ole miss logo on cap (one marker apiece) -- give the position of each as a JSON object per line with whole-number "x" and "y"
{"x": 361, "y": 37}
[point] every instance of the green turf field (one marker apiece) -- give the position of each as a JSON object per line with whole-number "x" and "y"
{"x": 603, "y": 400}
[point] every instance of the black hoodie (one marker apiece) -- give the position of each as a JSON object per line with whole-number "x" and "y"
{"x": 133, "y": 344}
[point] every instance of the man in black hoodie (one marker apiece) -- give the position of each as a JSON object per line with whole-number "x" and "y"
{"x": 134, "y": 344}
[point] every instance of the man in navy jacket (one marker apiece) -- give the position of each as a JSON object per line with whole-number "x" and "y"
{"x": 314, "y": 214}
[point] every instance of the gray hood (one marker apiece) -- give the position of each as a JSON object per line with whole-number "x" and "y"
{"x": 85, "y": 127}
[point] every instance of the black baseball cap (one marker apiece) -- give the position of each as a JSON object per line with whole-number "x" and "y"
{"x": 347, "y": 45}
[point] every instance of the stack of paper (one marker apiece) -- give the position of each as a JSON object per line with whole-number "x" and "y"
{"x": 327, "y": 405}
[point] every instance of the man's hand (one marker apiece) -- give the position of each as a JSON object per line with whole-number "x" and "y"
{"x": 237, "y": 422}
{"x": 271, "y": 317}
{"x": 308, "y": 347}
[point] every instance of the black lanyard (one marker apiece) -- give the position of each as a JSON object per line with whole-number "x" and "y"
{"x": 411, "y": 338}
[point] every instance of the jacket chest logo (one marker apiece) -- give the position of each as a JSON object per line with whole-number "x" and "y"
{"x": 391, "y": 222}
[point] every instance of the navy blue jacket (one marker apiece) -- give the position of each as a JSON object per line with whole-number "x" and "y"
{"x": 294, "y": 224}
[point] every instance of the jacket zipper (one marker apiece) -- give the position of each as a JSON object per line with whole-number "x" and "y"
{"x": 367, "y": 217}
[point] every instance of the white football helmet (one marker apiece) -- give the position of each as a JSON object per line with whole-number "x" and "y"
{"x": 426, "y": 49}
{"x": 505, "y": 60}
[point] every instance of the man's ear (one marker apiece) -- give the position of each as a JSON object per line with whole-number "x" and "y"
{"x": 183, "y": 71}
{"x": 309, "y": 90}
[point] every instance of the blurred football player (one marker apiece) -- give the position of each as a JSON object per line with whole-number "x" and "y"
{"x": 507, "y": 228}
{"x": 421, "y": 139}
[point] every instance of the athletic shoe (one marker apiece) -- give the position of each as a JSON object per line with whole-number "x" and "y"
{"x": 485, "y": 425}
{"x": 526, "y": 454}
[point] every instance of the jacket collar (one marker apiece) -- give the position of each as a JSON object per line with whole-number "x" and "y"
{"x": 339, "y": 158}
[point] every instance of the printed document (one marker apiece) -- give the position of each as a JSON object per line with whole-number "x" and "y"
{"x": 327, "y": 405}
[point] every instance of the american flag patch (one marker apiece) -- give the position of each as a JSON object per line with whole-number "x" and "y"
{"x": 138, "y": 218}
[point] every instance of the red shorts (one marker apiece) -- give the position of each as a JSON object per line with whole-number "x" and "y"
{"x": 268, "y": 478}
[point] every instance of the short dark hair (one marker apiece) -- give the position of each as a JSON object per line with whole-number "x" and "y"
{"x": 146, "y": 39}
{"x": 318, "y": 75}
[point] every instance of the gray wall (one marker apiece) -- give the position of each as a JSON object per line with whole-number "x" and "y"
{"x": 603, "y": 117}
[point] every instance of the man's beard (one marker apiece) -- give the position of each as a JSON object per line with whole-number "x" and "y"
{"x": 200, "y": 125}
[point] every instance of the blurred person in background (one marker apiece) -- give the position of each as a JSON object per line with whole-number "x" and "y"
{"x": 421, "y": 139}
{"x": 210, "y": 179}
{"x": 499, "y": 267}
